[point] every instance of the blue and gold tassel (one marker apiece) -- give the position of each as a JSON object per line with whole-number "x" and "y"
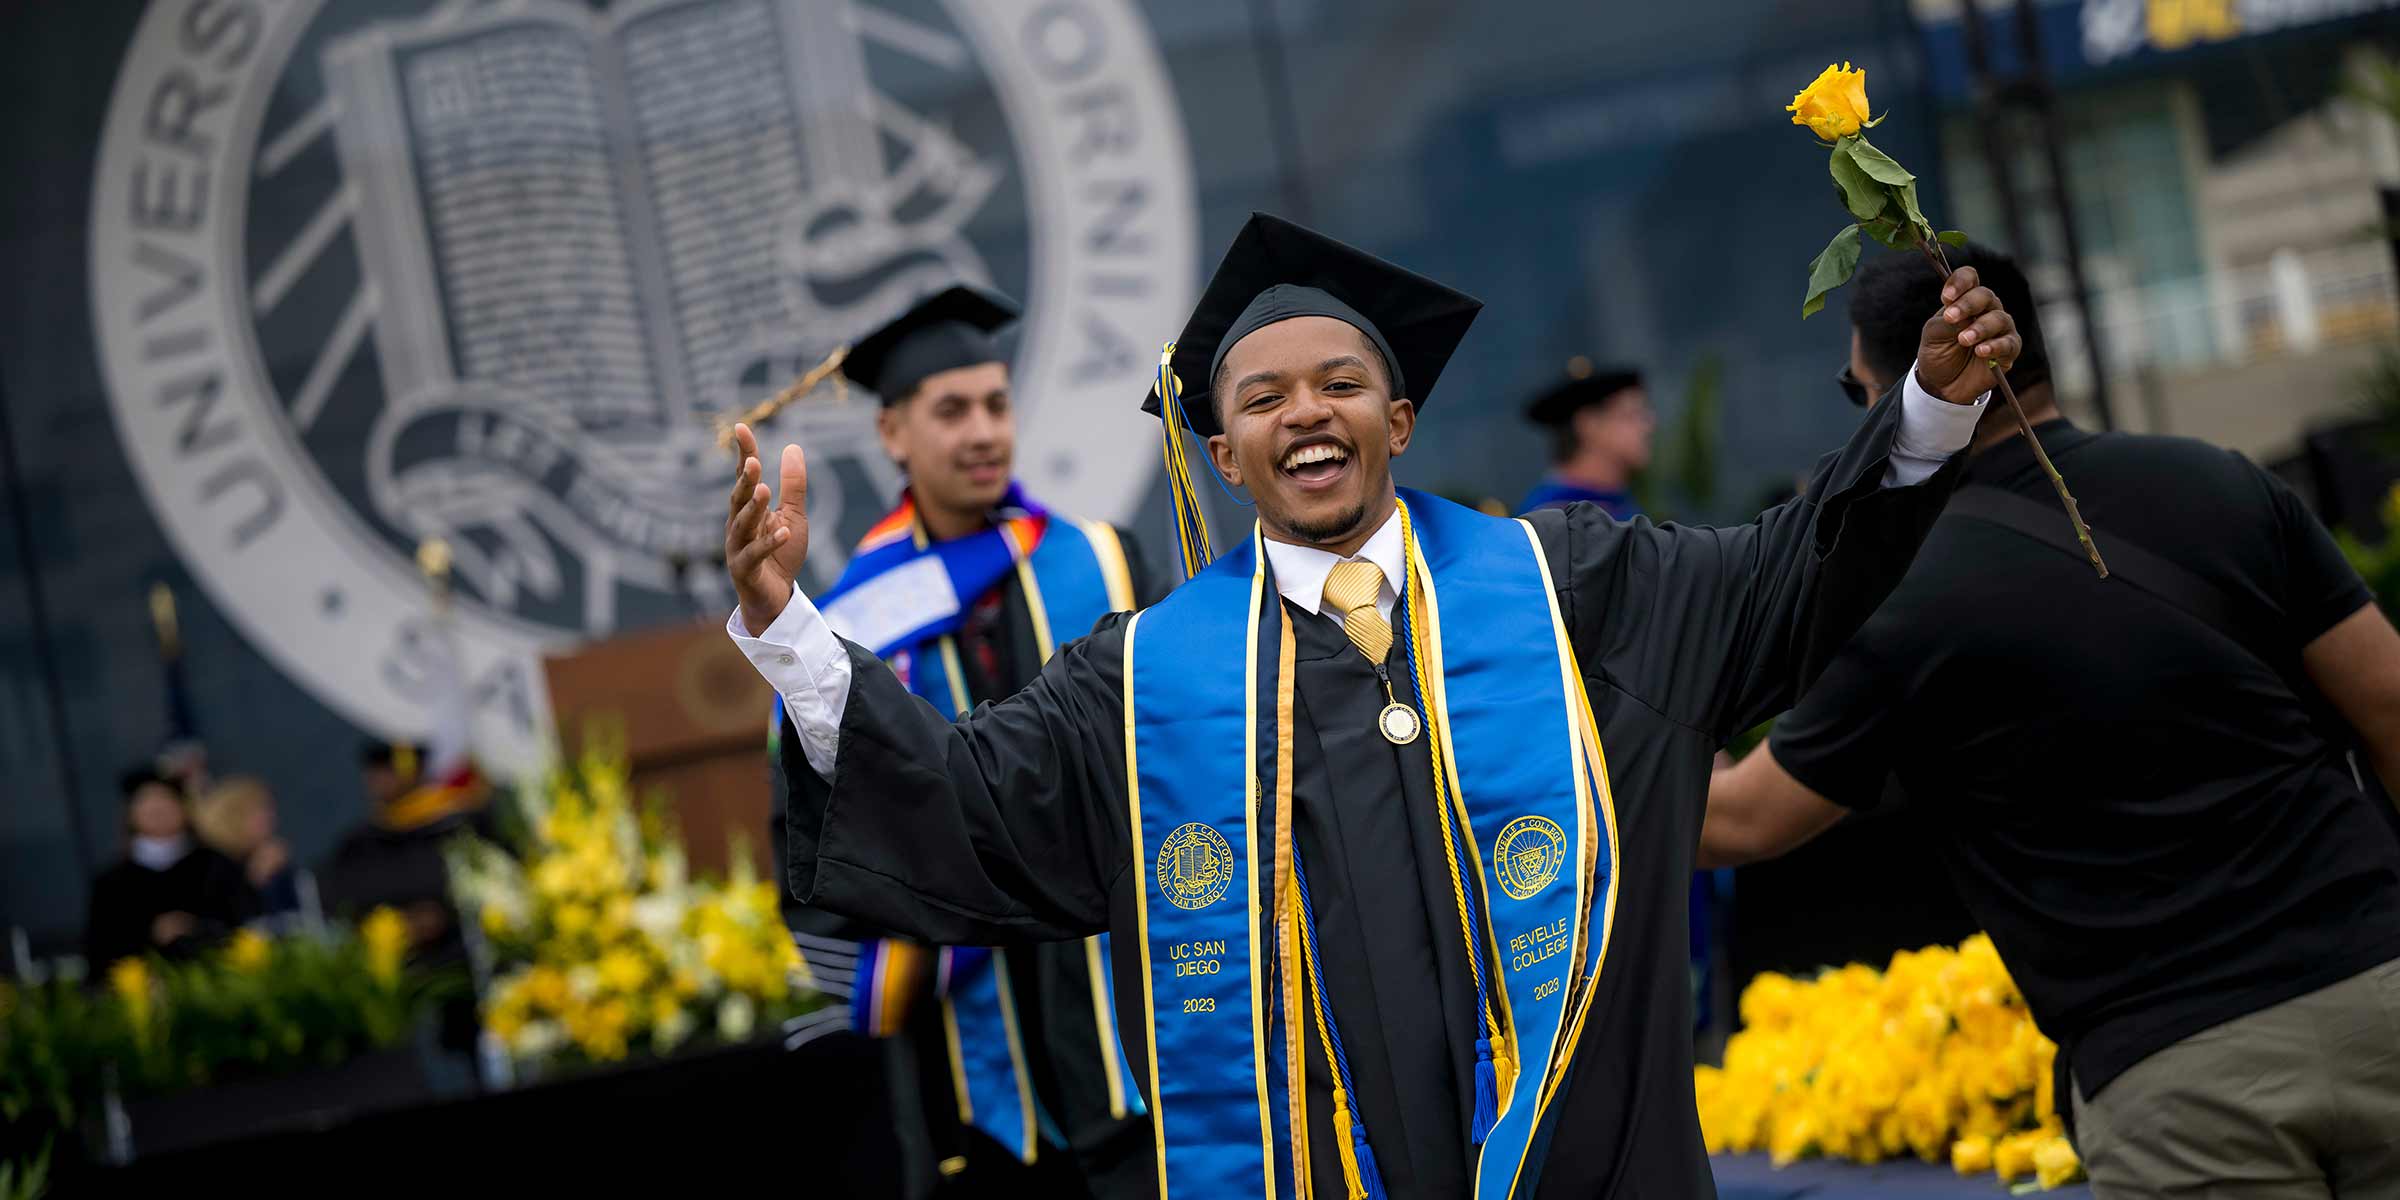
{"x": 1191, "y": 523}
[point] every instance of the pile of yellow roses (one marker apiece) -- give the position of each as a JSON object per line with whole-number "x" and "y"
{"x": 1935, "y": 1056}
{"x": 600, "y": 943}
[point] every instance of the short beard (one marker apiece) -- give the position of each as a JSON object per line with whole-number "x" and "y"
{"x": 1331, "y": 531}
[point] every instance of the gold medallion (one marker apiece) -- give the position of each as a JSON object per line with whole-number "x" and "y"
{"x": 1398, "y": 723}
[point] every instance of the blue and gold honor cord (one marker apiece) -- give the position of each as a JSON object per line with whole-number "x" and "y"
{"x": 1359, "y": 1173}
{"x": 1492, "y": 1059}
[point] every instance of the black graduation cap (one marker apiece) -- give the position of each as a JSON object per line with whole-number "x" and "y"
{"x": 949, "y": 329}
{"x": 1276, "y": 270}
{"x": 1583, "y": 386}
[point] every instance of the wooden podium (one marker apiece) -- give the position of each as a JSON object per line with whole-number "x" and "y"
{"x": 695, "y": 719}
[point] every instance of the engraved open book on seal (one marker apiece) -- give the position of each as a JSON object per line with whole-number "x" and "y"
{"x": 592, "y": 234}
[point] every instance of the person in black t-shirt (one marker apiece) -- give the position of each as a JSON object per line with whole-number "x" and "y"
{"x": 2154, "y": 814}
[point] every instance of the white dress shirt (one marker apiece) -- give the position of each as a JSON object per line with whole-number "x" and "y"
{"x": 809, "y": 667}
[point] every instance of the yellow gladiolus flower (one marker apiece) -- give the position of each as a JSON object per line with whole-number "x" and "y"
{"x": 1834, "y": 105}
{"x": 624, "y": 970}
{"x": 248, "y": 952}
{"x": 130, "y": 980}
{"x": 385, "y": 935}
{"x": 2055, "y": 1163}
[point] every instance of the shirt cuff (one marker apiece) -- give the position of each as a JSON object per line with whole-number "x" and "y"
{"x": 799, "y": 656}
{"x": 1931, "y": 431}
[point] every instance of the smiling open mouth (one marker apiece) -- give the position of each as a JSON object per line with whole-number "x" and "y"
{"x": 1315, "y": 462}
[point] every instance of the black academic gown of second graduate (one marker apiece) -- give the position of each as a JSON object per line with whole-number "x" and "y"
{"x": 1012, "y": 824}
{"x": 998, "y": 652}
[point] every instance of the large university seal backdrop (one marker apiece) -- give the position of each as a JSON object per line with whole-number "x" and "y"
{"x": 370, "y": 272}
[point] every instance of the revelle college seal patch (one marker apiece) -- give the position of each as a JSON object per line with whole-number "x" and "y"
{"x": 1195, "y": 866}
{"x": 369, "y": 273}
{"x": 1528, "y": 854}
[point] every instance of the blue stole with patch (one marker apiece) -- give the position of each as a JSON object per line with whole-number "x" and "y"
{"x": 1075, "y": 575}
{"x": 1220, "y": 924}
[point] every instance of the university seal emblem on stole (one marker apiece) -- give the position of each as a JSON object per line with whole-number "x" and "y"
{"x": 1528, "y": 853}
{"x": 1195, "y": 866}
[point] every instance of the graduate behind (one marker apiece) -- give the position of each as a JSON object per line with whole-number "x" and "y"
{"x": 1390, "y": 810}
{"x": 1007, "y": 1060}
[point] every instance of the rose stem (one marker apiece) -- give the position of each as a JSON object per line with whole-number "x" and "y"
{"x": 2083, "y": 532}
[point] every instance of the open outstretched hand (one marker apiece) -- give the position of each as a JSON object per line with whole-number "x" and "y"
{"x": 766, "y": 537}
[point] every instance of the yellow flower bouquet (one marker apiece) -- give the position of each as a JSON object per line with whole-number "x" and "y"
{"x": 599, "y": 944}
{"x": 1936, "y": 1056}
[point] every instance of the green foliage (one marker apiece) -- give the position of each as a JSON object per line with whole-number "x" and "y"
{"x": 1878, "y": 165}
{"x": 1832, "y": 268}
{"x": 1686, "y": 473}
{"x": 26, "y": 1180}
{"x": 1861, "y": 194}
{"x": 1882, "y": 195}
{"x": 2379, "y": 565}
{"x": 257, "y": 1007}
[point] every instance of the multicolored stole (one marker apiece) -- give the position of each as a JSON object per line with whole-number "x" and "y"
{"x": 1227, "y": 995}
{"x": 1072, "y": 573}
{"x": 901, "y": 588}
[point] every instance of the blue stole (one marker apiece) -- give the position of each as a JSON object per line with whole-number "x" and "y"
{"x": 1514, "y": 733}
{"x": 1076, "y": 574}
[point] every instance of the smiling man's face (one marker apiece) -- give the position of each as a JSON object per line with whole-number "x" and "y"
{"x": 1311, "y": 428}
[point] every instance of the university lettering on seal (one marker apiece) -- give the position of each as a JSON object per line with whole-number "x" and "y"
{"x": 364, "y": 275}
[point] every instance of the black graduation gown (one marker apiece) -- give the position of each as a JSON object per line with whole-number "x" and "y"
{"x": 1010, "y": 825}
{"x": 1051, "y": 982}
{"x": 129, "y": 897}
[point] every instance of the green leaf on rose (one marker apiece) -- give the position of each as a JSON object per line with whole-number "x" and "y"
{"x": 1878, "y": 165}
{"x": 1890, "y": 232}
{"x": 1906, "y": 194}
{"x": 1952, "y": 237}
{"x": 1832, "y": 269}
{"x": 1861, "y": 194}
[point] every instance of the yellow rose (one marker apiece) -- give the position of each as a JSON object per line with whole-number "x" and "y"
{"x": 248, "y": 952}
{"x": 1835, "y": 105}
{"x": 1971, "y": 1155}
{"x": 2055, "y": 1163}
{"x": 2012, "y": 1158}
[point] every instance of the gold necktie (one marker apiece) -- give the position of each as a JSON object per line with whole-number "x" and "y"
{"x": 1350, "y": 591}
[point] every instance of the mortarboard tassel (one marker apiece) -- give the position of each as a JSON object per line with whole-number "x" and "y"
{"x": 1487, "y": 1092}
{"x": 1191, "y": 522}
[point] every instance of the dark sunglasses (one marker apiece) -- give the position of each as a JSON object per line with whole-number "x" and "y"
{"x": 1852, "y": 387}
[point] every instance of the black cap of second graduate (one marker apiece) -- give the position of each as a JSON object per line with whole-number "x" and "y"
{"x": 949, "y": 329}
{"x": 1275, "y": 271}
{"x": 1583, "y": 386}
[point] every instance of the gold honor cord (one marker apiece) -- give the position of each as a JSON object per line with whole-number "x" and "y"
{"x": 1495, "y": 1069}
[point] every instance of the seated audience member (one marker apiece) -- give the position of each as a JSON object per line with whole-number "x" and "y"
{"x": 394, "y": 857}
{"x": 237, "y": 819}
{"x": 169, "y": 894}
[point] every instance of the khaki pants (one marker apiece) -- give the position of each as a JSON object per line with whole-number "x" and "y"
{"x": 2298, "y": 1100}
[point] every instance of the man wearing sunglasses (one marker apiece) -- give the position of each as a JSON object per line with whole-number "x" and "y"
{"x": 2155, "y": 791}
